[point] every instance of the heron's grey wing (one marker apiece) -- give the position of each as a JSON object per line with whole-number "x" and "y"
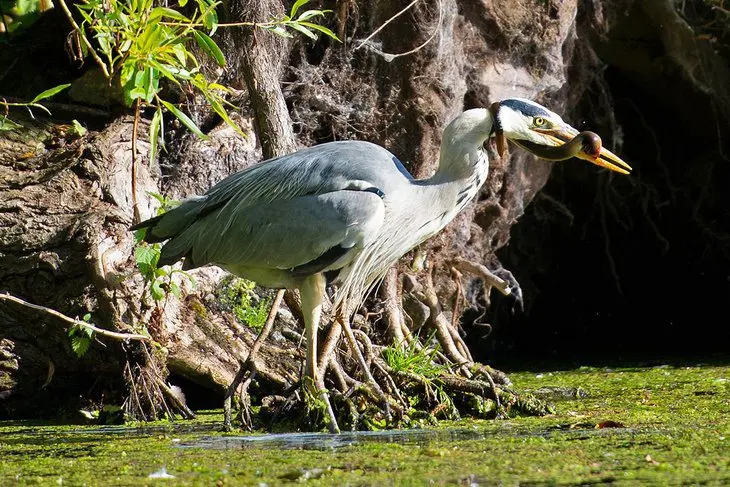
{"x": 281, "y": 234}
{"x": 346, "y": 165}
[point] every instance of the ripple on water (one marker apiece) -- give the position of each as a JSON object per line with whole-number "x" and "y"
{"x": 327, "y": 441}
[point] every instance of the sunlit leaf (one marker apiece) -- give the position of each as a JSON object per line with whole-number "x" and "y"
{"x": 279, "y": 30}
{"x": 77, "y": 128}
{"x": 312, "y": 13}
{"x": 156, "y": 290}
{"x": 168, "y": 72}
{"x": 303, "y": 30}
{"x": 221, "y": 111}
{"x": 175, "y": 289}
{"x": 7, "y": 124}
{"x": 296, "y": 6}
{"x": 50, "y": 92}
{"x": 80, "y": 345}
{"x": 321, "y": 29}
{"x": 208, "y": 45}
{"x": 155, "y": 132}
{"x": 184, "y": 119}
{"x": 146, "y": 257}
{"x": 160, "y": 12}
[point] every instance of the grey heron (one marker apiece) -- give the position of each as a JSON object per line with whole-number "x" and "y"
{"x": 351, "y": 208}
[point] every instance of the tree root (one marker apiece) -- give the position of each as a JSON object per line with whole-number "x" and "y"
{"x": 365, "y": 384}
{"x": 250, "y": 367}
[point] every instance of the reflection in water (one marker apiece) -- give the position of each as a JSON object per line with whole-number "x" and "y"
{"x": 327, "y": 441}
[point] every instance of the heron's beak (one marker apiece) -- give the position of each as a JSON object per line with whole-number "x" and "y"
{"x": 593, "y": 152}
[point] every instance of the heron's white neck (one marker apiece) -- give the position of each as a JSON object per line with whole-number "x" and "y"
{"x": 461, "y": 147}
{"x": 463, "y": 168}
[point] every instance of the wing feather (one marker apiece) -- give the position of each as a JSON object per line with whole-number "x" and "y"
{"x": 281, "y": 234}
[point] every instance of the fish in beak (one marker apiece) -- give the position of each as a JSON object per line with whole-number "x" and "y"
{"x": 568, "y": 142}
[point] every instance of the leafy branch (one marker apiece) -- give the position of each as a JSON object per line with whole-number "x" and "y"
{"x": 75, "y": 322}
{"x": 7, "y": 124}
{"x": 141, "y": 45}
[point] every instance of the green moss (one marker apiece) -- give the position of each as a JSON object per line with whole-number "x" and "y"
{"x": 676, "y": 429}
{"x": 240, "y": 297}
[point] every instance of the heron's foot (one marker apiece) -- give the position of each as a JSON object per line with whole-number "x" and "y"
{"x": 512, "y": 286}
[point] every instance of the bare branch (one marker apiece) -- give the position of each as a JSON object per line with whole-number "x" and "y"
{"x": 74, "y": 321}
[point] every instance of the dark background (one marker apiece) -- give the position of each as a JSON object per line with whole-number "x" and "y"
{"x": 631, "y": 268}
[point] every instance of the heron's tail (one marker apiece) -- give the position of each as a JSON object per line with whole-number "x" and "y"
{"x": 170, "y": 225}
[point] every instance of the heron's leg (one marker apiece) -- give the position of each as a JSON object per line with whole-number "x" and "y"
{"x": 312, "y": 290}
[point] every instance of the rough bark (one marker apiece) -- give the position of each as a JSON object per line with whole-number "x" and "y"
{"x": 261, "y": 61}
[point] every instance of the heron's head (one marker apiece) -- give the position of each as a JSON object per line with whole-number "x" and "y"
{"x": 543, "y": 133}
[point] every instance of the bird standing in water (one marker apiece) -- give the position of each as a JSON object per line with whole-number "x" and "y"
{"x": 350, "y": 209}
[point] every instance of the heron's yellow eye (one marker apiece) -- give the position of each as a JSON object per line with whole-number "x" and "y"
{"x": 538, "y": 121}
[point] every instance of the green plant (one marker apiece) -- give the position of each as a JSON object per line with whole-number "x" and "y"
{"x": 422, "y": 361}
{"x": 7, "y": 124}
{"x": 146, "y": 256}
{"x": 81, "y": 337}
{"x": 414, "y": 358}
{"x": 17, "y": 15}
{"x": 141, "y": 45}
{"x": 249, "y": 309}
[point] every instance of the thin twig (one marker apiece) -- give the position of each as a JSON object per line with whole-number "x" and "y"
{"x": 73, "y": 321}
{"x": 249, "y": 364}
{"x": 135, "y": 126}
{"x": 388, "y": 56}
{"x": 85, "y": 40}
{"x": 375, "y": 32}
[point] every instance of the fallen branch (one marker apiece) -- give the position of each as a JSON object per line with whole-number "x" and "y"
{"x": 74, "y": 321}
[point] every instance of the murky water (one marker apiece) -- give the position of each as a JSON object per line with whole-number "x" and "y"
{"x": 327, "y": 441}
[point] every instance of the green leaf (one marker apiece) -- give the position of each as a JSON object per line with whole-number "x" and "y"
{"x": 146, "y": 257}
{"x": 165, "y": 71}
{"x": 160, "y": 12}
{"x": 182, "y": 3}
{"x": 80, "y": 345}
{"x": 87, "y": 317}
{"x": 209, "y": 15}
{"x": 208, "y": 45}
{"x": 50, "y": 92}
{"x": 160, "y": 199}
{"x": 321, "y": 28}
{"x": 155, "y": 132}
{"x": 296, "y": 7}
{"x": 175, "y": 289}
{"x": 156, "y": 290}
{"x": 312, "y": 13}
{"x": 184, "y": 119}
{"x": 139, "y": 235}
{"x": 221, "y": 111}
{"x": 7, "y": 124}
{"x": 303, "y": 30}
{"x": 77, "y": 128}
{"x": 279, "y": 30}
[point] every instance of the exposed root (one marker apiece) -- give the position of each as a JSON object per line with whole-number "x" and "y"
{"x": 250, "y": 367}
{"x": 355, "y": 350}
{"x": 391, "y": 302}
{"x": 362, "y": 383}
